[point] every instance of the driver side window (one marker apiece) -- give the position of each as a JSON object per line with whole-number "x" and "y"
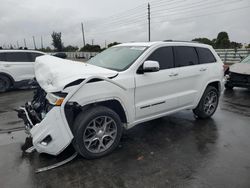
{"x": 164, "y": 55}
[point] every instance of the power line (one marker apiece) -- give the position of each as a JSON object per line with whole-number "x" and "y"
{"x": 161, "y": 4}
{"x": 157, "y": 14}
{"x": 186, "y": 18}
{"x": 192, "y": 10}
{"x": 194, "y": 7}
{"x": 132, "y": 12}
{"x": 182, "y": 5}
{"x": 201, "y": 15}
{"x": 123, "y": 28}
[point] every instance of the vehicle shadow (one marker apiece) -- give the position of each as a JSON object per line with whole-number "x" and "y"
{"x": 172, "y": 147}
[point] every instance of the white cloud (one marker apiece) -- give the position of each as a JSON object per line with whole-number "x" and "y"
{"x": 19, "y": 20}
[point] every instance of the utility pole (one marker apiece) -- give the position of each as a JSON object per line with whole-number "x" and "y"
{"x": 17, "y": 44}
{"x": 83, "y": 36}
{"x": 34, "y": 42}
{"x": 25, "y": 46}
{"x": 41, "y": 42}
{"x": 92, "y": 41}
{"x": 149, "y": 23}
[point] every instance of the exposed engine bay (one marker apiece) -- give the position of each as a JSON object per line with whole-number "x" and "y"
{"x": 34, "y": 111}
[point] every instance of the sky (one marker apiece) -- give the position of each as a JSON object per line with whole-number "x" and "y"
{"x": 121, "y": 20}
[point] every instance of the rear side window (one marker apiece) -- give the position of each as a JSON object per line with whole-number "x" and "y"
{"x": 164, "y": 56}
{"x": 185, "y": 56}
{"x": 34, "y": 56}
{"x": 2, "y": 56}
{"x": 205, "y": 56}
{"x": 17, "y": 57}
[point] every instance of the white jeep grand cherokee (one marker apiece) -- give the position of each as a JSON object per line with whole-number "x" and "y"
{"x": 89, "y": 104}
{"x": 16, "y": 67}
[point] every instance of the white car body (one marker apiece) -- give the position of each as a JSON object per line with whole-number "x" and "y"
{"x": 143, "y": 97}
{"x": 19, "y": 68}
{"x": 238, "y": 75}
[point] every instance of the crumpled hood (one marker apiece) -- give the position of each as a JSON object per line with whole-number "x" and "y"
{"x": 240, "y": 68}
{"x": 54, "y": 73}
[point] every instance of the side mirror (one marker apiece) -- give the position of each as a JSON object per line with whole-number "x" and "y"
{"x": 151, "y": 66}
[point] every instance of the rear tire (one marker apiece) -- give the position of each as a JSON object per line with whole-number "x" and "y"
{"x": 97, "y": 132}
{"x": 4, "y": 83}
{"x": 208, "y": 103}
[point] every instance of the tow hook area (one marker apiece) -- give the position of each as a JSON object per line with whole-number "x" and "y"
{"x": 28, "y": 148}
{"x": 34, "y": 127}
{"x": 39, "y": 170}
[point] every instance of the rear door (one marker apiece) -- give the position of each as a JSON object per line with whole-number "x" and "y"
{"x": 2, "y": 61}
{"x": 187, "y": 62}
{"x": 19, "y": 65}
{"x": 155, "y": 92}
{"x": 208, "y": 66}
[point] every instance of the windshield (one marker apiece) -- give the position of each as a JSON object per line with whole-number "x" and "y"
{"x": 246, "y": 60}
{"x": 117, "y": 58}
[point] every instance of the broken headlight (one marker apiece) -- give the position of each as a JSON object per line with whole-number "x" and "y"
{"x": 56, "y": 99}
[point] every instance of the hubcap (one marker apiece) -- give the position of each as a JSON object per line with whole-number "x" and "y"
{"x": 100, "y": 134}
{"x": 210, "y": 102}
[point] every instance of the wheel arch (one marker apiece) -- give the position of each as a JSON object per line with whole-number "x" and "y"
{"x": 73, "y": 109}
{"x": 12, "y": 81}
{"x": 214, "y": 83}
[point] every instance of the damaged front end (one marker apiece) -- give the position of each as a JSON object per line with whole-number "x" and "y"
{"x": 45, "y": 122}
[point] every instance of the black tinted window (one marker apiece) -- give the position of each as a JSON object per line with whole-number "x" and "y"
{"x": 2, "y": 56}
{"x": 17, "y": 57}
{"x": 34, "y": 56}
{"x": 205, "y": 55}
{"x": 185, "y": 56}
{"x": 164, "y": 56}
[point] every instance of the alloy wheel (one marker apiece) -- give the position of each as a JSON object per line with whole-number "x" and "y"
{"x": 100, "y": 134}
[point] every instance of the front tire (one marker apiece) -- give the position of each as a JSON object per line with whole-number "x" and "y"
{"x": 4, "y": 83}
{"x": 208, "y": 103}
{"x": 97, "y": 132}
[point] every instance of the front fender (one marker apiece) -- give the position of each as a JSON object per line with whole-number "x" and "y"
{"x": 103, "y": 90}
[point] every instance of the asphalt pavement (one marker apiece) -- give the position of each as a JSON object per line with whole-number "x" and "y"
{"x": 175, "y": 151}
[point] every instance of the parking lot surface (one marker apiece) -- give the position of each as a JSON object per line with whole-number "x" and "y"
{"x": 174, "y": 151}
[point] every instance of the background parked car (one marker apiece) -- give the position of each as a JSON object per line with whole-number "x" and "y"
{"x": 60, "y": 55}
{"x": 238, "y": 75}
{"x": 16, "y": 67}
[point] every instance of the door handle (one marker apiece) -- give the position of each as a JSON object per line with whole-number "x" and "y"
{"x": 173, "y": 74}
{"x": 203, "y": 69}
{"x": 6, "y": 65}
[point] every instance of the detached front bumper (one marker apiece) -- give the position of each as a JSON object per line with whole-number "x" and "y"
{"x": 52, "y": 135}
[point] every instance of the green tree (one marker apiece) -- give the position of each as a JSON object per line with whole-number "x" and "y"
{"x": 222, "y": 40}
{"x": 57, "y": 41}
{"x": 113, "y": 44}
{"x": 91, "y": 48}
{"x": 70, "y": 48}
{"x": 204, "y": 41}
{"x": 235, "y": 45}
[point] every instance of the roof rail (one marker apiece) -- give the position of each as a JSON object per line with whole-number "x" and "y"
{"x": 180, "y": 41}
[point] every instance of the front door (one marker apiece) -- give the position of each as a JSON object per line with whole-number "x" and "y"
{"x": 155, "y": 92}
